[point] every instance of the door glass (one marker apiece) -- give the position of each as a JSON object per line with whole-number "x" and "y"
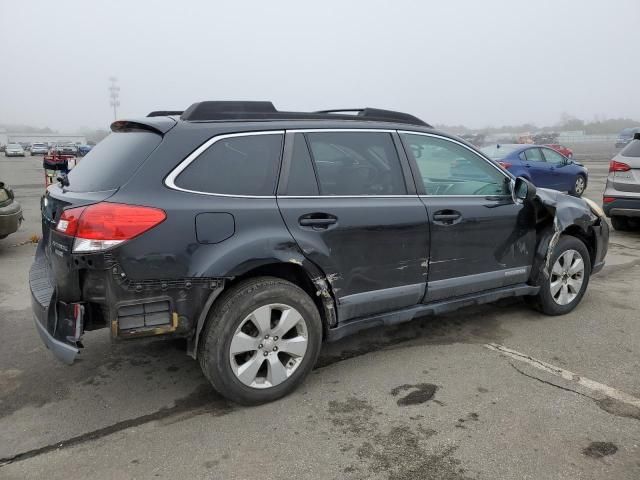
{"x": 356, "y": 163}
{"x": 553, "y": 157}
{"x": 448, "y": 168}
{"x": 534, "y": 155}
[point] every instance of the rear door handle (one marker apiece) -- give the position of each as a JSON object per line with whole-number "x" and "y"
{"x": 317, "y": 220}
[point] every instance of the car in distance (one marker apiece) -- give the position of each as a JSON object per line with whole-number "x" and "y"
{"x": 621, "y": 197}
{"x": 561, "y": 149}
{"x": 625, "y": 136}
{"x": 543, "y": 166}
{"x": 68, "y": 149}
{"x": 14, "y": 150}
{"x": 257, "y": 234}
{"x": 84, "y": 149}
{"x": 39, "y": 149}
{"x": 10, "y": 212}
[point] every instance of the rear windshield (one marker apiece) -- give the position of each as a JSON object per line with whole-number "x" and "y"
{"x": 631, "y": 150}
{"x": 14, "y": 145}
{"x": 497, "y": 152}
{"x": 112, "y": 161}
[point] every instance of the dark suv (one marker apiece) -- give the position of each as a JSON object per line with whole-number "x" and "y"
{"x": 258, "y": 234}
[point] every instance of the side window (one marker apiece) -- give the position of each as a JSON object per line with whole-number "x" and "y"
{"x": 534, "y": 155}
{"x": 356, "y": 163}
{"x": 522, "y": 157}
{"x": 448, "y": 168}
{"x": 553, "y": 157}
{"x": 302, "y": 178}
{"x": 244, "y": 165}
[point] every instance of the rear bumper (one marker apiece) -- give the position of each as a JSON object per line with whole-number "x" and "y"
{"x": 10, "y": 219}
{"x": 624, "y": 207}
{"x": 52, "y": 332}
{"x": 62, "y": 351}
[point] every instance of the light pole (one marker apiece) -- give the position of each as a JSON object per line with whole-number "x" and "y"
{"x": 114, "y": 95}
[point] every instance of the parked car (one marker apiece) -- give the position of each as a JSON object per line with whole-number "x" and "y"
{"x": 561, "y": 149}
{"x": 39, "y": 149}
{"x": 10, "y": 211}
{"x": 68, "y": 149}
{"x": 84, "y": 149}
{"x": 14, "y": 150}
{"x": 626, "y": 136}
{"x": 543, "y": 166}
{"x": 258, "y": 234}
{"x": 621, "y": 198}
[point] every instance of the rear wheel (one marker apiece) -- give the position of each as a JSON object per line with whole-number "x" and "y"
{"x": 570, "y": 268}
{"x": 261, "y": 340}
{"x": 579, "y": 186}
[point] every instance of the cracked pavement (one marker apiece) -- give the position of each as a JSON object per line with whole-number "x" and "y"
{"x": 425, "y": 400}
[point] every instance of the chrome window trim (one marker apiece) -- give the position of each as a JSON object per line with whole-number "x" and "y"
{"x": 170, "y": 181}
{"x": 173, "y": 174}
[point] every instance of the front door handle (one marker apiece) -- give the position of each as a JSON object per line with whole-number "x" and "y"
{"x": 447, "y": 217}
{"x": 317, "y": 220}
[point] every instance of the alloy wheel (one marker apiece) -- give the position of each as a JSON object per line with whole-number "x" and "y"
{"x": 268, "y": 346}
{"x": 580, "y": 185}
{"x": 567, "y": 277}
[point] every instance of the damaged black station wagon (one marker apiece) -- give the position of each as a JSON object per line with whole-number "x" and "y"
{"x": 258, "y": 234}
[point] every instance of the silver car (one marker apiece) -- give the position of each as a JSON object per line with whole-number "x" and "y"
{"x": 14, "y": 150}
{"x": 621, "y": 198}
{"x": 39, "y": 149}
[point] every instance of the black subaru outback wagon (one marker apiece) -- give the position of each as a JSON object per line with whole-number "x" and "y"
{"x": 258, "y": 234}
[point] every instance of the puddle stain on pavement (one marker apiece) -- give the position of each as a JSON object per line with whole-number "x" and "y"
{"x": 422, "y": 392}
{"x": 401, "y": 452}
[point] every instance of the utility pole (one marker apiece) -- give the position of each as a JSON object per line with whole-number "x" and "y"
{"x": 114, "y": 95}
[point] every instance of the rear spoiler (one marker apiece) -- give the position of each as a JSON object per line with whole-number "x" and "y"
{"x": 159, "y": 125}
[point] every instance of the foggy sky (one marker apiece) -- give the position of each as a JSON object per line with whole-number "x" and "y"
{"x": 477, "y": 63}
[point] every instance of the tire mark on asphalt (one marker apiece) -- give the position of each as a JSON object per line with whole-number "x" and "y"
{"x": 202, "y": 400}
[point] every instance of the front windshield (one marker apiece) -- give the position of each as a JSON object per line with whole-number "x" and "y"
{"x": 497, "y": 152}
{"x": 14, "y": 145}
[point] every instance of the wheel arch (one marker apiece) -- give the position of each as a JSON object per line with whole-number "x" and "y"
{"x": 298, "y": 271}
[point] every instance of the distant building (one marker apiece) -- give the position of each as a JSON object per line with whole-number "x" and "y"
{"x": 17, "y": 137}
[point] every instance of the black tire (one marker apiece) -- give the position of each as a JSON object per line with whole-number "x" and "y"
{"x": 544, "y": 301}
{"x": 574, "y": 191}
{"x": 620, "y": 223}
{"x": 226, "y": 316}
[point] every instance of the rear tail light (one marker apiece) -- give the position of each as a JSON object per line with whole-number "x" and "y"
{"x": 618, "y": 166}
{"x": 608, "y": 199}
{"x": 105, "y": 225}
{"x": 505, "y": 165}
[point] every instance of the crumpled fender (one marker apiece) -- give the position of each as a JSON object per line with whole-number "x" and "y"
{"x": 567, "y": 211}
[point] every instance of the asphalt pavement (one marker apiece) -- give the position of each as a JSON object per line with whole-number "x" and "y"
{"x": 432, "y": 399}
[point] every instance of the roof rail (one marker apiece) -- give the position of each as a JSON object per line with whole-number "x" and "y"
{"x": 380, "y": 114}
{"x": 250, "y": 110}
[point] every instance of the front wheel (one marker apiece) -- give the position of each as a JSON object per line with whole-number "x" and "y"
{"x": 569, "y": 272}
{"x": 579, "y": 186}
{"x": 261, "y": 340}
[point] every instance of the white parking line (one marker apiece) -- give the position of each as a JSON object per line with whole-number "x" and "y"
{"x": 567, "y": 375}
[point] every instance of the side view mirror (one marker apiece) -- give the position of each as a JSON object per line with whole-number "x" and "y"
{"x": 524, "y": 190}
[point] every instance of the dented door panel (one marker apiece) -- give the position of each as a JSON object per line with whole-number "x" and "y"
{"x": 490, "y": 236}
